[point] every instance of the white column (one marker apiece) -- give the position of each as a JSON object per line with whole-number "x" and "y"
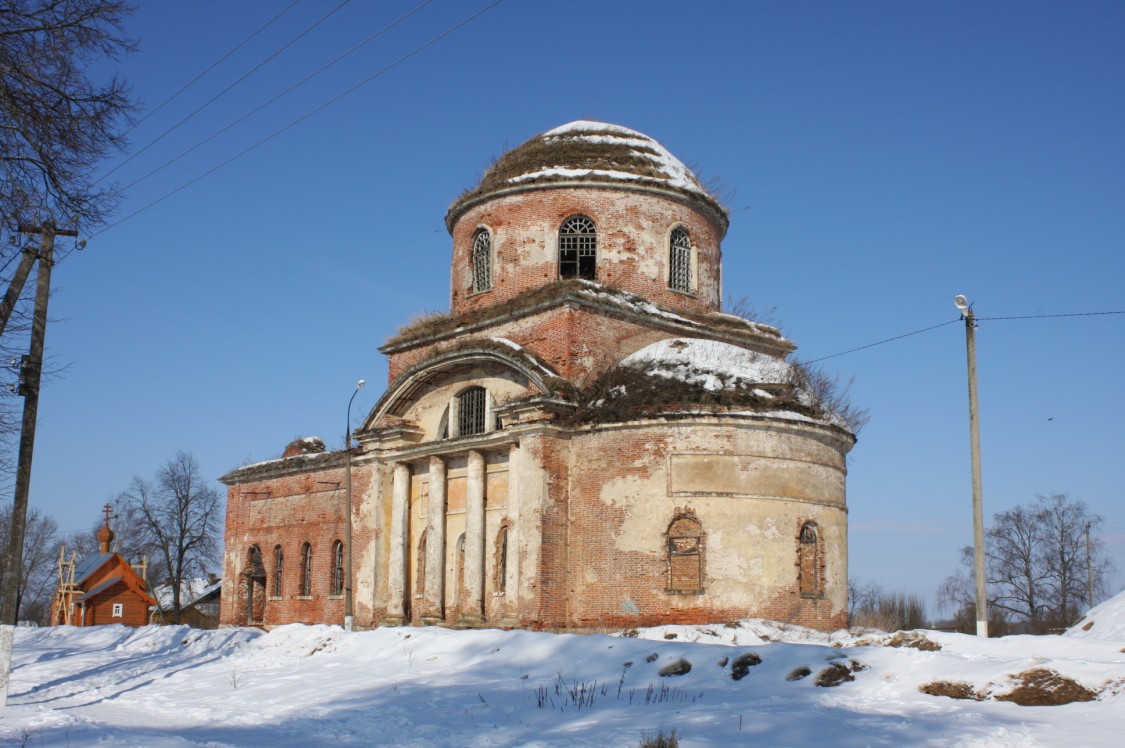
{"x": 398, "y": 534}
{"x": 474, "y": 539}
{"x": 432, "y": 610}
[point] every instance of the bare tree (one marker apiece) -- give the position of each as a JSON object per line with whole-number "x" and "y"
{"x": 180, "y": 514}
{"x": 39, "y": 564}
{"x": 1037, "y": 565}
{"x": 57, "y": 123}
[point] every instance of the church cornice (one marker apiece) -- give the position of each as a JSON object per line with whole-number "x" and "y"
{"x": 599, "y": 299}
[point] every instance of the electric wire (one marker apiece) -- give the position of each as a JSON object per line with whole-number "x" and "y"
{"x": 1048, "y": 316}
{"x": 977, "y": 319}
{"x": 213, "y": 65}
{"x": 302, "y": 118}
{"x": 222, "y": 93}
{"x": 881, "y": 342}
{"x": 291, "y": 88}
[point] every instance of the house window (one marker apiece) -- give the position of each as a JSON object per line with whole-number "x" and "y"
{"x": 278, "y": 565}
{"x": 118, "y": 610}
{"x": 679, "y": 260}
{"x": 337, "y": 568}
{"x": 578, "y": 248}
{"x": 482, "y": 261}
{"x": 808, "y": 561}
{"x": 685, "y": 556}
{"x": 306, "y": 569}
{"x": 470, "y": 411}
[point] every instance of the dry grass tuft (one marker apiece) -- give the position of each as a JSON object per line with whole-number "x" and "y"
{"x": 839, "y": 672}
{"x": 952, "y": 689}
{"x": 660, "y": 740}
{"x": 740, "y": 668}
{"x": 679, "y": 667}
{"x": 1044, "y": 687}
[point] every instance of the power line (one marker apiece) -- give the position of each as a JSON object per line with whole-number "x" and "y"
{"x": 213, "y": 65}
{"x": 264, "y": 104}
{"x": 1048, "y": 316}
{"x": 881, "y": 342}
{"x": 303, "y": 117}
{"x": 217, "y": 96}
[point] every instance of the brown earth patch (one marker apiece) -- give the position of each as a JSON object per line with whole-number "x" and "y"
{"x": 1043, "y": 687}
{"x": 952, "y": 689}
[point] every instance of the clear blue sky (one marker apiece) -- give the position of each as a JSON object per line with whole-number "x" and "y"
{"x": 877, "y": 157}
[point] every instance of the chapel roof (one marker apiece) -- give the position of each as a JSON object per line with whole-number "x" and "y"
{"x": 583, "y": 152}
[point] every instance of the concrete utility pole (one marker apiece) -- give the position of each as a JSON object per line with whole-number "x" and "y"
{"x": 30, "y": 378}
{"x": 349, "y": 611}
{"x": 974, "y": 443}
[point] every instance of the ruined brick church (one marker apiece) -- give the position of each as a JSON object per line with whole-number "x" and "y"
{"x": 584, "y": 441}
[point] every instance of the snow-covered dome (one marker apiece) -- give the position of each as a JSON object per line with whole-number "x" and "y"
{"x": 581, "y": 152}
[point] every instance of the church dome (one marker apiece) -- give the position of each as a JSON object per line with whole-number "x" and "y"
{"x": 585, "y": 152}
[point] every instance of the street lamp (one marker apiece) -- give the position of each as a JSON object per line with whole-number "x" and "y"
{"x": 966, "y": 308}
{"x": 349, "y": 612}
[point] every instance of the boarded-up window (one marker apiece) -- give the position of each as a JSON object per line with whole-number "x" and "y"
{"x": 306, "y": 569}
{"x": 278, "y": 566}
{"x": 337, "y": 568}
{"x": 502, "y": 560}
{"x": 809, "y": 561}
{"x": 420, "y": 581}
{"x": 685, "y": 556}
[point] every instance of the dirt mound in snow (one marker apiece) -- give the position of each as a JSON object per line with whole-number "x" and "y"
{"x": 1037, "y": 687}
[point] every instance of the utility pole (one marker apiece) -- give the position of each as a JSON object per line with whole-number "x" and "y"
{"x": 349, "y": 609}
{"x": 974, "y": 444}
{"x": 30, "y": 378}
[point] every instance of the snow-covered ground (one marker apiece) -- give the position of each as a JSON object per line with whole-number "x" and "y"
{"x": 174, "y": 687}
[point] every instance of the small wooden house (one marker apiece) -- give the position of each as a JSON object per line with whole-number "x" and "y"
{"x": 102, "y": 588}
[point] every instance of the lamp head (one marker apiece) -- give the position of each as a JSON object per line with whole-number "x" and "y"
{"x": 960, "y": 302}
{"x": 359, "y": 384}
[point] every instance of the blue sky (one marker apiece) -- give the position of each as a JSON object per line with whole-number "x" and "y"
{"x": 877, "y": 157}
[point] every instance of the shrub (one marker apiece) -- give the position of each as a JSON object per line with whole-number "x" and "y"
{"x": 660, "y": 740}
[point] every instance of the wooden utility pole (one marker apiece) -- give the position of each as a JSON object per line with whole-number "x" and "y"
{"x": 30, "y": 379}
{"x": 1089, "y": 571}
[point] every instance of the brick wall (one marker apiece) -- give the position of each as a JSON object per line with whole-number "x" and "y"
{"x": 633, "y": 230}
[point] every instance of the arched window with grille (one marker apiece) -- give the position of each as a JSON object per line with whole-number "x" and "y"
{"x": 685, "y": 556}
{"x": 578, "y": 248}
{"x": 471, "y": 407}
{"x": 278, "y": 566}
{"x": 679, "y": 260}
{"x": 482, "y": 261}
{"x": 306, "y": 569}
{"x": 337, "y": 568}
{"x": 808, "y": 561}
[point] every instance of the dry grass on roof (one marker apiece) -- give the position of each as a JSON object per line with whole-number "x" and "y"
{"x": 575, "y": 151}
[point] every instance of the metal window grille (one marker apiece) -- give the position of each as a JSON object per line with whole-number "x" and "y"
{"x": 482, "y": 261}
{"x": 338, "y": 569}
{"x": 578, "y": 248}
{"x": 679, "y": 261}
{"x": 279, "y": 562}
{"x": 306, "y": 571}
{"x": 470, "y": 411}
